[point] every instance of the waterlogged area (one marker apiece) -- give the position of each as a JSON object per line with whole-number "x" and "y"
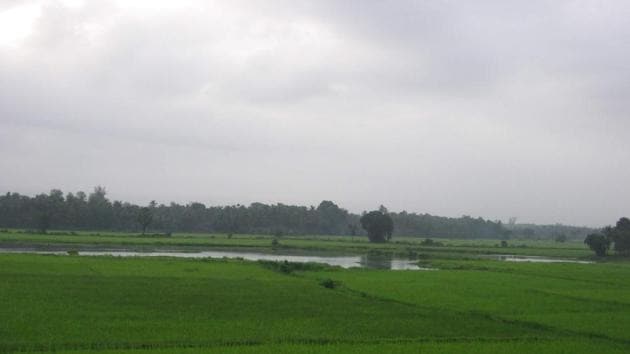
{"x": 369, "y": 261}
{"x": 534, "y": 259}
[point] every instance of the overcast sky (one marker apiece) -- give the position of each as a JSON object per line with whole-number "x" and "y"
{"x": 483, "y": 108}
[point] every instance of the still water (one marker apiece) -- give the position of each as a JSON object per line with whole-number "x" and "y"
{"x": 371, "y": 261}
{"x": 534, "y": 259}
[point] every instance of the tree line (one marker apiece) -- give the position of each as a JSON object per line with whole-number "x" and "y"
{"x": 94, "y": 211}
{"x": 557, "y": 232}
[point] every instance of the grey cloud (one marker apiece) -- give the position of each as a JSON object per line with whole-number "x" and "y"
{"x": 490, "y": 108}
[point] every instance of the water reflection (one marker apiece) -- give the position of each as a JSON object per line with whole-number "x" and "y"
{"x": 377, "y": 260}
{"x": 380, "y": 260}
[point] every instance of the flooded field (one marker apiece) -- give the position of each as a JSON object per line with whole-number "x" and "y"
{"x": 370, "y": 260}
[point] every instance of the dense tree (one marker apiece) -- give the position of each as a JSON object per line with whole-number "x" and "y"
{"x": 532, "y": 231}
{"x": 352, "y": 229}
{"x": 145, "y": 217}
{"x": 331, "y": 218}
{"x": 620, "y": 235}
{"x": 78, "y": 211}
{"x": 427, "y": 225}
{"x": 598, "y": 243}
{"x": 43, "y": 213}
{"x": 378, "y": 225}
{"x": 99, "y": 209}
{"x": 560, "y": 238}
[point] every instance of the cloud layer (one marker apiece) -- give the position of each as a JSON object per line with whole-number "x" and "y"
{"x": 491, "y": 109}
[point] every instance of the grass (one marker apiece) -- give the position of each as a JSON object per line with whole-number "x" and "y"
{"x": 431, "y": 347}
{"x": 346, "y": 244}
{"x": 587, "y": 300}
{"x": 64, "y": 302}
{"x": 72, "y": 304}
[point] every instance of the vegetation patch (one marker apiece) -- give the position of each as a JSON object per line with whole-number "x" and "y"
{"x": 287, "y": 267}
{"x": 329, "y": 283}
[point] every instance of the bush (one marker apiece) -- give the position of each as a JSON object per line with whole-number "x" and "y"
{"x": 167, "y": 234}
{"x": 290, "y": 267}
{"x": 73, "y": 253}
{"x": 275, "y": 242}
{"x": 560, "y": 238}
{"x": 329, "y": 283}
{"x": 430, "y": 242}
{"x": 59, "y": 233}
{"x": 504, "y": 244}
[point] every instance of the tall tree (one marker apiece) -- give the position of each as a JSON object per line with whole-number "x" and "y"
{"x": 598, "y": 243}
{"x": 145, "y": 217}
{"x": 43, "y": 215}
{"x": 100, "y": 208}
{"x": 332, "y": 219}
{"x": 379, "y": 226}
{"x": 621, "y": 236}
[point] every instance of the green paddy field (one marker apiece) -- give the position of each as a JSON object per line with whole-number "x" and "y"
{"x": 468, "y": 304}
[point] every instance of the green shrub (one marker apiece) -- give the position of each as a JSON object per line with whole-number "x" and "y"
{"x": 329, "y": 283}
{"x": 430, "y": 242}
{"x": 287, "y": 267}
